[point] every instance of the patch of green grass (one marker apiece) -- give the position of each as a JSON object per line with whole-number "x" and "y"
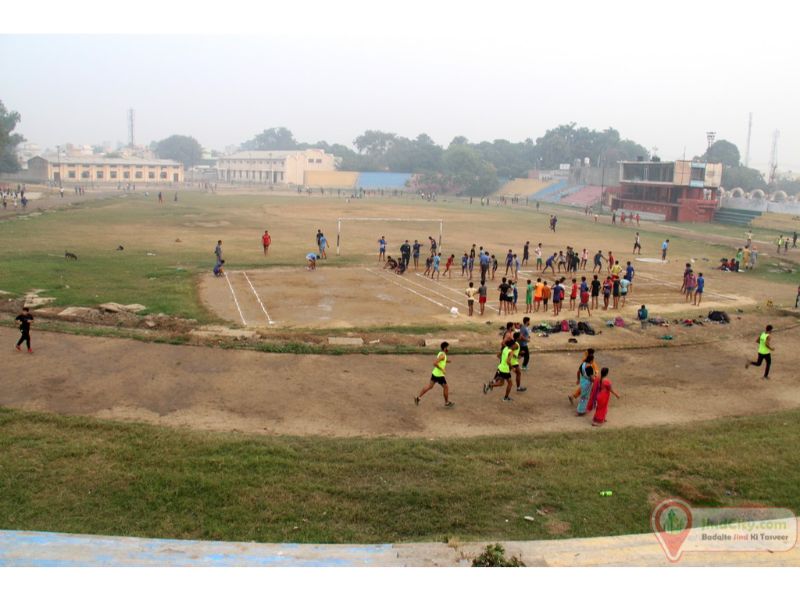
{"x": 82, "y": 475}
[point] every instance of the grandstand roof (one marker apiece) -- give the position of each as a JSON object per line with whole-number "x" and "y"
{"x": 261, "y": 154}
{"x": 99, "y": 160}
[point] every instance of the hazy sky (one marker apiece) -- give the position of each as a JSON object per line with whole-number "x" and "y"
{"x": 661, "y": 73}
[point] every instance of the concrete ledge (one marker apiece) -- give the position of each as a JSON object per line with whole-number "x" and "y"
{"x": 437, "y": 341}
{"x": 345, "y": 341}
{"x": 43, "y": 549}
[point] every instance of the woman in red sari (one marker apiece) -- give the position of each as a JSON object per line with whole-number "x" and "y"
{"x": 601, "y": 394}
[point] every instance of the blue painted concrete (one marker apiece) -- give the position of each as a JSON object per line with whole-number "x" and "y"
{"x": 43, "y": 549}
{"x": 380, "y": 180}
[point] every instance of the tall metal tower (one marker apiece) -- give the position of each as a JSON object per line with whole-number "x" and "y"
{"x": 749, "y": 134}
{"x": 773, "y": 157}
{"x": 131, "y": 128}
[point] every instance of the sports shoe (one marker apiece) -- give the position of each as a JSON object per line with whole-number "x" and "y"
{"x": 524, "y": 368}
{"x": 521, "y": 389}
{"x": 18, "y": 348}
{"x": 507, "y": 399}
{"x": 30, "y": 351}
{"x": 416, "y": 400}
{"x": 449, "y": 404}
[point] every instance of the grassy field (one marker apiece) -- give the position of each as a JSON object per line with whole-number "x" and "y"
{"x": 80, "y": 475}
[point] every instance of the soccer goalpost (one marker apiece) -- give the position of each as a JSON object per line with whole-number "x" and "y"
{"x": 340, "y": 219}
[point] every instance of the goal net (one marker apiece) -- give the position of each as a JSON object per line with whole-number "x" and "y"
{"x": 341, "y": 220}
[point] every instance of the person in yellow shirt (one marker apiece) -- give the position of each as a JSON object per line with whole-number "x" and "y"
{"x": 616, "y": 269}
{"x": 438, "y": 376}
{"x": 503, "y": 374}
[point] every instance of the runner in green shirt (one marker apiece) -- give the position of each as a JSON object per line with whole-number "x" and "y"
{"x": 438, "y": 376}
{"x": 503, "y": 374}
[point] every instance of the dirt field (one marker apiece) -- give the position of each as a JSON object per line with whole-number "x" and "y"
{"x": 371, "y": 296}
{"x": 358, "y": 395}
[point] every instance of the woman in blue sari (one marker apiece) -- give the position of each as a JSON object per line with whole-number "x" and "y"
{"x": 586, "y": 381}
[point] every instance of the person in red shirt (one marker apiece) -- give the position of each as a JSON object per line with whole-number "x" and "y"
{"x": 449, "y": 265}
{"x": 573, "y": 294}
{"x": 266, "y": 240}
{"x": 584, "y": 303}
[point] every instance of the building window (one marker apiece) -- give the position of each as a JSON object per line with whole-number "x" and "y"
{"x": 151, "y": 175}
{"x": 698, "y": 174}
{"x": 318, "y": 161}
{"x": 163, "y": 174}
{"x": 84, "y": 174}
{"x": 138, "y": 174}
{"x": 113, "y": 174}
{"x": 71, "y": 174}
{"x": 311, "y": 161}
{"x": 99, "y": 174}
{"x": 126, "y": 174}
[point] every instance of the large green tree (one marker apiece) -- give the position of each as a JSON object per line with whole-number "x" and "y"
{"x": 723, "y": 151}
{"x": 9, "y": 140}
{"x": 182, "y": 148}
{"x": 274, "y": 138}
{"x": 742, "y": 177}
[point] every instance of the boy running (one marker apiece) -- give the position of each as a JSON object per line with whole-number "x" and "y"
{"x": 637, "y": 245}
{"x": 764, "y": 351}
{"x": 448, "y": 265}
{"x": 503, "y": 373}
{"x": 538, "y": 252}
{"x": 438, "y": 376}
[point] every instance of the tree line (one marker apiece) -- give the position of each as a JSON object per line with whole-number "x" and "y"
{"x": 463, "y": 166}
{"x": 473, "y": 168}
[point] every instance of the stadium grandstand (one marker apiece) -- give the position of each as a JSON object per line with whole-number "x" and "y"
{"x": 523, "y": 187}
{"x": 583, "y": 196}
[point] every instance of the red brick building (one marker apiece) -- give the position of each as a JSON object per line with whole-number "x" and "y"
{"x": 683, "y": 190}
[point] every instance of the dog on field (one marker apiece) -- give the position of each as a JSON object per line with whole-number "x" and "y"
{"x": 120, "y": 248}
{"x": 70, "y": 255}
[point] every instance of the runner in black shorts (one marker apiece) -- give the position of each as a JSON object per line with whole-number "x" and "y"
{"x": 438, "y": 376}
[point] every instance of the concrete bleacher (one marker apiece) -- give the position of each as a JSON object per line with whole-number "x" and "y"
{"x": 552, "y": 192}
{"x": 383, "y": 181}
{"x": 331, "y": 179}
{"x": 584, "y": 196}
{"x": 522, "y": 187}
{"x": 736, "y": 216}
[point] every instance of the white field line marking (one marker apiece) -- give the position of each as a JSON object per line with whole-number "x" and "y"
{"x": 407, "y": 288}
{"x": 452, "y": 291}
{"x": 235, "y": 300}
{"x": 263, "y": 308}
{"x": 673, "y": 284}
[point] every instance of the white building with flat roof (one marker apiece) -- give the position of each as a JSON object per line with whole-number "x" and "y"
{"x": 273, "y": 167}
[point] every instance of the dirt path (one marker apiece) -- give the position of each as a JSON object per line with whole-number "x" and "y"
{"x": 225, "y": 390}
